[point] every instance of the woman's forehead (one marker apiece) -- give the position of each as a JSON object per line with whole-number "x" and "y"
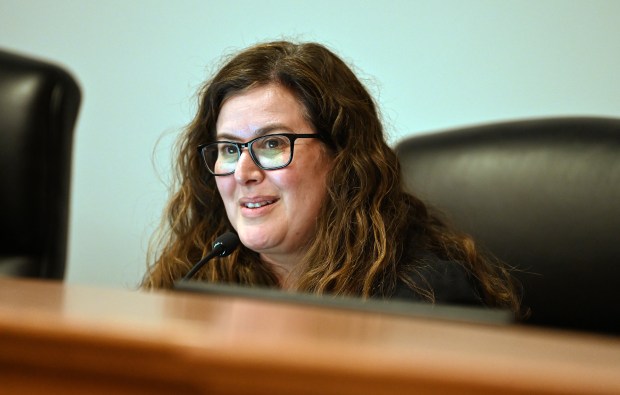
{"x": 261, "y": 110}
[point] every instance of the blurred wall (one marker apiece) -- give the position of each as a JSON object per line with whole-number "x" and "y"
{"x": 430, "y": 64}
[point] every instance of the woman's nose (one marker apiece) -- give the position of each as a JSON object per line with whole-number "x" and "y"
{"x": 247, "y": 171}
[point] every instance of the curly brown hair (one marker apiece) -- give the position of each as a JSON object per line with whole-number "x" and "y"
{"x": 369, "y": 223}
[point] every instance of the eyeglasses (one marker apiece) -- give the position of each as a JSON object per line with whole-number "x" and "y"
{"x": 270, "y": 152}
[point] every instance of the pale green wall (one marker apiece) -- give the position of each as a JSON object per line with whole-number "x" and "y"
{"x": 431, "y": 64}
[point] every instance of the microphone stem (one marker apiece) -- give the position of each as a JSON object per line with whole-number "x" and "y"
{"x": 200, "y": 264}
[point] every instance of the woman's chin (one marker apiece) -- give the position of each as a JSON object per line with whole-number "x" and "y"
{"x": 256, "y": 242}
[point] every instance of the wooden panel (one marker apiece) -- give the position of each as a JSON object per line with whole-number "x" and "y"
{"x": 57, "y": 338}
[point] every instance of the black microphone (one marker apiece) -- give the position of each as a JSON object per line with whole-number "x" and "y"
{"x": 222, "y": 246}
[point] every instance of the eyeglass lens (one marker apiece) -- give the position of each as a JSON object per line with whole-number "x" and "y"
{"x": 269, "y": 152}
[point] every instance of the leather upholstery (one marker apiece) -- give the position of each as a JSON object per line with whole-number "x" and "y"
{"x": 39, "y": 103}
{"x": 542, "y": 195}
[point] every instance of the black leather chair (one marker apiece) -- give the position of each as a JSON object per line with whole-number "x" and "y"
{"x": 543, "y": 195}
{"x": 39, "y": 103}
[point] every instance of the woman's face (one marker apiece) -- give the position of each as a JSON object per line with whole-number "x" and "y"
{"x": 273, "y": 211}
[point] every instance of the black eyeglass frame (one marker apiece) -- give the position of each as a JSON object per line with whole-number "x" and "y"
{"x": 248, "y": 145}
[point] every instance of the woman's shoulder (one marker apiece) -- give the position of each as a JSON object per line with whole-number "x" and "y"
{"x": 449, "y": 282}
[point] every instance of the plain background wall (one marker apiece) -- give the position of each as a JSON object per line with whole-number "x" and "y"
{"x": 430, "y": 64}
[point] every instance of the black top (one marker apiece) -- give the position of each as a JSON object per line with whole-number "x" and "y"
{"x": 449, "y": 281}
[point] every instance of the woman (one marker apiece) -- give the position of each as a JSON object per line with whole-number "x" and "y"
{"x": 293, "y": 159}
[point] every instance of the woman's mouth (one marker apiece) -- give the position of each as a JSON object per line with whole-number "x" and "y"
{"x": 258, "y": 204}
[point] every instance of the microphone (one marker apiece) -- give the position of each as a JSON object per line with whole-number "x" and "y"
{"x": 222, "y": 246}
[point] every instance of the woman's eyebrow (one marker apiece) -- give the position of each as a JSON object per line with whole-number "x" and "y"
{"x": 257, "y": 133}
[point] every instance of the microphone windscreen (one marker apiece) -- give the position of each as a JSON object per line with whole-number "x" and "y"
{"x": 226, "y": 244}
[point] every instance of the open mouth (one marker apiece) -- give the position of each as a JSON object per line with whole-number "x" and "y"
{"x": 258, "y": 204}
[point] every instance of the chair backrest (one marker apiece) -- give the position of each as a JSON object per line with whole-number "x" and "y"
{"x": 542, "y": 195}
{"x": 39, "y": 103}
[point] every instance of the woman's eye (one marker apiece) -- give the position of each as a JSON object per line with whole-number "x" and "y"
{"x": 228, "y": 150}
{"x": 273, "y": 143}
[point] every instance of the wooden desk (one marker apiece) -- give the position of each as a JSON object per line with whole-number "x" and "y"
{"x": 67, "y": 339}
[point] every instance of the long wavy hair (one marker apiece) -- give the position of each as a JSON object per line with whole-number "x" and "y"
{"x": 368, "y": 224}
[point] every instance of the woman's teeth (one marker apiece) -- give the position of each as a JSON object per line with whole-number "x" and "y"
{"x": 257, "y": 205}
